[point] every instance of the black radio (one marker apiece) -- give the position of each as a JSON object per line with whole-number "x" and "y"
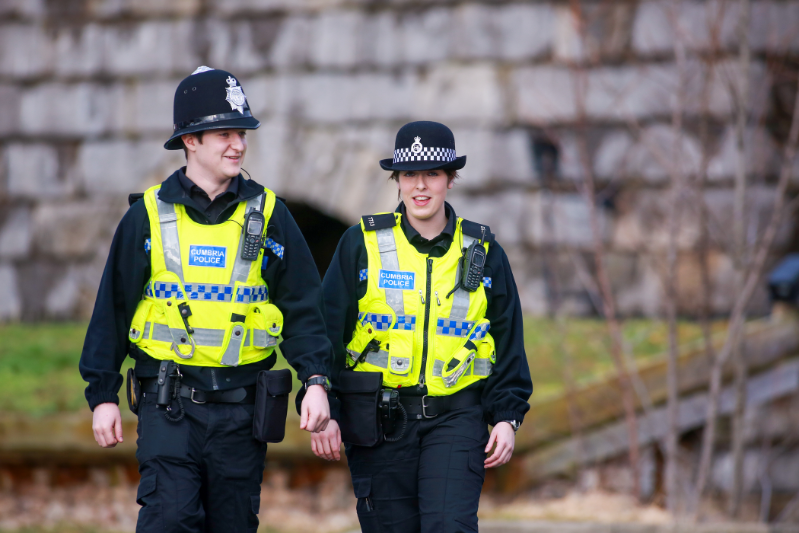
{"x": 253, "y": 235}
{"x": 472, "y": 263}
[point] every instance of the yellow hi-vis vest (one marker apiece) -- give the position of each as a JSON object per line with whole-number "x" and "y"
{"x": 200, "y": 266}
{"x": 407, "y": 327}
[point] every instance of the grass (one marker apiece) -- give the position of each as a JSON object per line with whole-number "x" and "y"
{"x": 39, "y": 362}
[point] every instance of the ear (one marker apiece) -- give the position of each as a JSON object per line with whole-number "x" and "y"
{"x": 190, "y": 141}
{"x": 450, "y": 182}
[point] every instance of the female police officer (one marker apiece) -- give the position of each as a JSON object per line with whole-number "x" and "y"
{"x": 189, "y": 293}
{"x": 412, "y": 295}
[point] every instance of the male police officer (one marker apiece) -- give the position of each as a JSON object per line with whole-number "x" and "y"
{"x": 200, "y": 305}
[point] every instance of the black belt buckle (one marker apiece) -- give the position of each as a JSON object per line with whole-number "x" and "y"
{"x": 193, "y": 390}
{"x": 425, "y": 406}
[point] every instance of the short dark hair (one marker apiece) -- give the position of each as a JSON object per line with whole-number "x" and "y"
{"x": 199, "y": 135}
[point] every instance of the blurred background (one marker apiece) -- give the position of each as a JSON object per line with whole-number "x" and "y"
{"x": 634, "y": 158}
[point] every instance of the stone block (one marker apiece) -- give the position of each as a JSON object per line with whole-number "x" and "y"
{"x": 562, "y": 220}
{"x": 761, "y": 155}
{"x": 33, "y": 172}
{"x": 145, "y": 8}
{"x": 234, "y": 7}
{"x": 152, "y": 47}
{"x": 292, "y": 46}
{"x": 9, "y": 109}
{"x": 336, "y": 36}
{"x": 641, "y": 293}
{"x": 15, "y": 234}
{"x": 495, "y": 157}
{"x": 72, "y": 110}
{"x": 121, "y": 167}
{"x": 774, "y": 26}
{"x": 242, "y": 47}
{"x": 10, "y": 303}
{"x": 506, "y": 212}
{"x": 624, "y": 93}
{"x": 544, "y": 95}
{"x": 25, "y": 51}
{"x": 381, "y": 43}
{"x": 80, "y": 51}
{"x": 524, "y": 31}
{"x": 427, "y": 35}
{"x": 453, "y": 93}
{"x": 656, "y": 21}
{"x": 606, "y": 30}
{"x": 73, "y": 230}
{"x": 655, "y": 154}
{"x": 63, "y": 298}
{"x": 148, "y": 106}
{"x": 22, "y": 8}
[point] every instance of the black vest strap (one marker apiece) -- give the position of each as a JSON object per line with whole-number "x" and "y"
{"x": 475, "y": 230}
{"x": 376, "y": 222}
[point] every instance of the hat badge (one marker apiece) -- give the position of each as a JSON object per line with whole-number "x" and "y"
{"x": 235, "y": 96}
{"x": 416, "y": 147}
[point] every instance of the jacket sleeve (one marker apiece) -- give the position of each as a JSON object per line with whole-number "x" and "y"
{"x": 126, "y": 272}
{"x": 295, "y": 288}
{"x": 508, "y": 388}
{"x": 341, "y": 288}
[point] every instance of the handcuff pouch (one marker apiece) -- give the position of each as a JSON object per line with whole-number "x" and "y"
{"x": 133, "y": 390}
{"x": 271, "y": 405}
{"x": 359, "y": 394}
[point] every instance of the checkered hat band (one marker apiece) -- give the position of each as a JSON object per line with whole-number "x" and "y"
{"x": 382, "y": 322}
{"x": 444, "y": 155}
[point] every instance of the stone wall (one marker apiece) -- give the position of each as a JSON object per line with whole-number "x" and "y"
{"x": 86, "y": 91}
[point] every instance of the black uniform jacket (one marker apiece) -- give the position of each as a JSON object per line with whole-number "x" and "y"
{"x": 293, "y": 281}
{"x": 506, "y": 391}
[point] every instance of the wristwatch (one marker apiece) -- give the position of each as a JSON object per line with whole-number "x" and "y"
{"x": 514, "y": 424}
{"x": 318, "y": 380}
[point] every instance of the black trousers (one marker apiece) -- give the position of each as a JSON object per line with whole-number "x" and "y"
{"x": 202, "y": 474}
{"x": 429, "y": 481}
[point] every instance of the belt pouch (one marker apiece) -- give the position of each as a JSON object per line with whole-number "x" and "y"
{"x": 271, "y": 405}
{"x": 359, "y": 393}
{"x": 133, "y": 392}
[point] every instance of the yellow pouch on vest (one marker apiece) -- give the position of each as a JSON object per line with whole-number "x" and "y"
{"x": 487, "y": 350}
{"x": 264, "y": 317}
{"x": 136, "y": 332}
{"x": 400, "y": 341}
{"x": 372, "y": 326}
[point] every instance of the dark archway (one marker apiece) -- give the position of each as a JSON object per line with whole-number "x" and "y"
{"x": 321, "y": 232}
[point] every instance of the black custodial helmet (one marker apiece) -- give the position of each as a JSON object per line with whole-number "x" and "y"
{"x": 209, "y": 99}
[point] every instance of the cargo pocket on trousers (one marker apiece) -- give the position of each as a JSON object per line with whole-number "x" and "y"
{"x": 367, "y": 514}
{"x": 150, "y": 512}
{"x": 477, "y": 459}
{"x": 255, "y": 507}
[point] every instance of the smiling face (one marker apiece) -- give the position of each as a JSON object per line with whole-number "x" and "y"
{"x": 424, "y": 192}
{"x": 219, "y": 153}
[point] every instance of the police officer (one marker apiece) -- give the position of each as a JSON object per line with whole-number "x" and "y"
{"x": 200, "y": 307}
{"x": 427, "y": 299}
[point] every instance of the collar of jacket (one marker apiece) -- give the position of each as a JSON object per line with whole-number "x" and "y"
{"x": 172, "y": 191}
{"x": 411, "y": 234}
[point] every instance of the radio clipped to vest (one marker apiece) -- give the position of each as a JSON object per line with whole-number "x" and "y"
{"x": 471, "y": 268}
{"x": 253, "y": 230}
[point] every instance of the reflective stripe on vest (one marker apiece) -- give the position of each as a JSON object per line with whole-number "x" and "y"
{"x": 209, "y": 337}
{"x": 208, "y": 292}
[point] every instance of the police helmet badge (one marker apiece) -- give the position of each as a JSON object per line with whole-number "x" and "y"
{"x": 235, "y": 96}
{"x": 416, "y": 147}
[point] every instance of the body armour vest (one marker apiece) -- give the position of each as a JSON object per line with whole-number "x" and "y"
{"x": 411, "y": 326}
{"x": 204, "y": 305}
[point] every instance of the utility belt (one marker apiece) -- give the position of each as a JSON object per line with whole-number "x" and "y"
{"x": 371, "y": 413}
{"x": 270, "y": 395}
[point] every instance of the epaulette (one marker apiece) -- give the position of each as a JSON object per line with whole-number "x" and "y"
{"x": 135, "y": 197}
{"x": 475, "y": 230}
{"x": 375, "y": 222}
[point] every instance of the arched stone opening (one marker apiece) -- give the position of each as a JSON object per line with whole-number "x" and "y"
{"x": 322, "y": 232}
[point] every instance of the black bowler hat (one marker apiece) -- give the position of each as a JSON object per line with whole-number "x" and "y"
{"x": 424, "y": 145}
{"x": 209, "y": 99}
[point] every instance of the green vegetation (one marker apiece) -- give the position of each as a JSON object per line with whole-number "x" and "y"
{"x": 39, "y": 362}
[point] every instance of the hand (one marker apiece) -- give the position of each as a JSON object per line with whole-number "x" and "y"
{"x": 315, "y": 411}
{"x": 107, "y": 425}
{"x": 505, "y": 438}
{"x": 327, "y": 444}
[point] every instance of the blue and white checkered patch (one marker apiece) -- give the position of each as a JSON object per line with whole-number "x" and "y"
{"x": 276, "y": 248}
{"x": 252, "y": 294}
{"x": 167, "y": 290}
{"x": 147, "y": 246}
{"x": 381, "y": 322}
{"x": 209, "y": 292}
{"x": 487, "y": 283}
{"x": 363, "y": 274}
{"x": 480, "y": 332}
{"x": 453, "y": 328}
